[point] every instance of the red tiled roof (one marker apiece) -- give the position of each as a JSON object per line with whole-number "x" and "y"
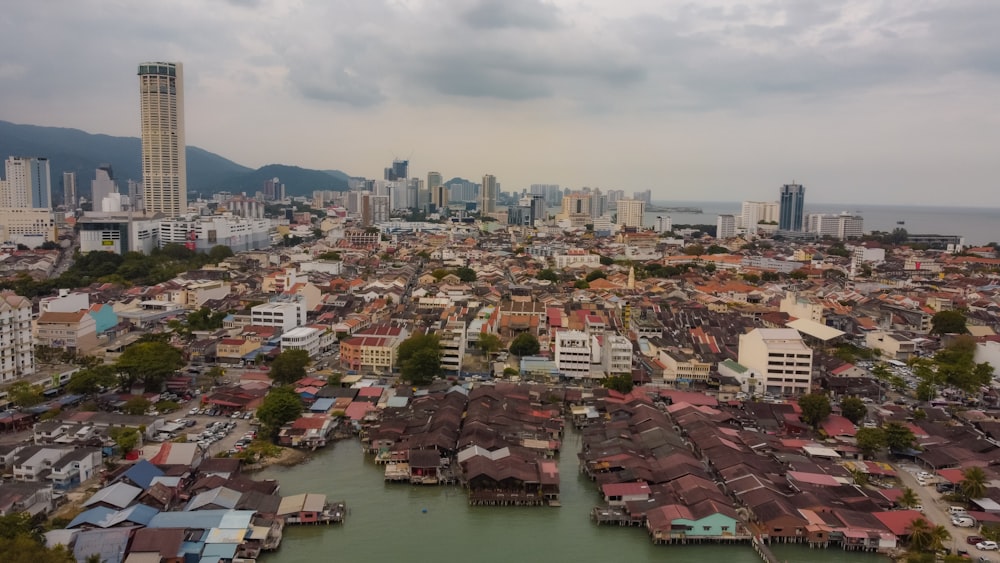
{"x": 898, "y": 521}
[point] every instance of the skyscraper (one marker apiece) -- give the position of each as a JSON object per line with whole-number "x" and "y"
{"x": 434, "y": 179}
{"x": 69, "y": 190}
{"x": 792, "y": 207}
{"x": 164, "y": 165}
{"x": 102, "y": 186}
{"x": 28, "y": 185}
{"x": 725, "y": 226}
{"x": 488, "y": 195}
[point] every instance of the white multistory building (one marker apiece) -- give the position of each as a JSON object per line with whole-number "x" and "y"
{"x": 725, "y": 226}
{"x": 201, "y": 233}
{"x": 17, "y": 347}
{"x": 164, "y": 163}
{"x": 781, "y": 357}
{"x": 754, "y": 212}
{"x": 302, "y": 338}
{"x": 630, "y": 213}
{"x": 843, "y": 226}
{"x": 283, "y": 314}
{"x": 617, "y": 354}
{"x": 573, "y": 354}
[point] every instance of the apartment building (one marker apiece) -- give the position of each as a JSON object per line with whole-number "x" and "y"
{"x": 17, "y": 347}
{"x": 780, "y": 355}
{"x": 573, "y": 354}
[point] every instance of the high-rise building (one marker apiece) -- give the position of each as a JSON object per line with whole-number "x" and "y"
{"x": 725, "y": 226}
{"x": 843, "y": 226}
{"x": 663, "y": 224}
{"x": 274, "y": 190}
{"x": 645, "y": 195}
{"x": 17, "y": 346}
{"x": 792, "y": 211}
{"x": 439, "y": 197}
{"x": 164, "y": 164}
{"x": 69, "y": 190}
{"x": 27, "y": 185}
{"x": 400, "y": 170}
{"x": 102, "y": 186}
{"x": 630, "y": 213}
{"x": 434, "y": 179}
{"x": 488, "y": 195}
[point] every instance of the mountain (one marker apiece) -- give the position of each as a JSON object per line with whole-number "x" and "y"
{"x": 298, "y": 181}
{"x": 73, "y": 150}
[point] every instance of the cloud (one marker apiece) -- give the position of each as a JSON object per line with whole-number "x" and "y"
{"x": 501, "y": 14}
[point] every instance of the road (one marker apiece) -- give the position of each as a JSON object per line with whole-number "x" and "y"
{"x": 936, "y": 509}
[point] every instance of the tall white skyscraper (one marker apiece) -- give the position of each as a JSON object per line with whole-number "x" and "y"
{"x": 725, "y": 226}
{"x": 630, "y": 212}
{"x": 103, "y": 185}
{"x": 28, "y": 185}
{"x": 164, "y": 166}
{"x": 488, "y": 195}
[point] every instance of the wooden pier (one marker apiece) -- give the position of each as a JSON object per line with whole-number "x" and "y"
{"x": 495, "y": 498}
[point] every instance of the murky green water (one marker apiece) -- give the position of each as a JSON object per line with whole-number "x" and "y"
{"x": 388, "y": 522}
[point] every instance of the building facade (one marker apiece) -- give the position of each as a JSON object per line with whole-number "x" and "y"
{"x": 725, "y": 226}
{"x": 488, "y": 195}
{"x": 630, "y": 213}
{"x": 17, "y": 347}
{"x": 573, "y": 354}
{"x": 781, "y": 357}
{"x": 164, "y": 163}
{"x": 792, "y": 210}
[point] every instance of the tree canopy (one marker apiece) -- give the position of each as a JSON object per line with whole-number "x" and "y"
{"x": 289, "y": 366}
{"x": 974, "y": 483}
{"x": 21, "y": 541}
{"x": 89, "y": 381}
{"x": 815, "y": 408}
{"x": 525, "y": 344}
{"x": 898, "y": 437}
{"x": 136, "y": 405}
{"x": 548, "y": 274}
{"x": 948, "y": 322}
{"x": 870, "y": 441}
{"x": 621, "y": 383}
{"x": 281, "y": 406}
{"x": 149, "y": 363}
{"x": 420, "y": 358}
{"x": 489, "y": 343}
{"x": 466, "y": 274}
{"x": 853, "y": 409}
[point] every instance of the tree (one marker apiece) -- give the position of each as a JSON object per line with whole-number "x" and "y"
{"x": 596, "y": 274}
{"x": 798, "y": 275}
{"x": 25, "y": 549}
{"x": 420, "y": 358}
{"x": 898, "y": 437}
{"x": 815, "y": 408}
{"x": 621, "y": 383}
{"x": 489, "y": 343}
{"x": 281, "y": 406}
{"x": 973, "y": 483}
{"x": 25, "y": 394}
{"x": 148, "y": 362}
{"x": 948, "y": 322}
{"x": 90, "y": 381}
{"x": 466, "y": 274}
{"x": 908, "y": 498}
{"x": 581, "y": 284}
{"x": 335, "y": 256}
{"x": 524, "y": 344}
{"x": 289, "y": 366}
{"x": 751, "y": 278}
{"x": 125, "y": 438}
{"x": 218, "y": 253}
{"x": 606, "y": 261}
{"x": 694, "y": 250}
{"x": 137, "y": 405}
{"x": 920, "y": 534}
{"x": 548, "y": 274}
{"x": 853, "y": 409}
{"x": 870, "y": 441}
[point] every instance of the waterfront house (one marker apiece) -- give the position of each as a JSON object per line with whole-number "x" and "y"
{"x": 425, "y": 467}
{"x": 617, "y": 494}
{"x": 706, "y": 520}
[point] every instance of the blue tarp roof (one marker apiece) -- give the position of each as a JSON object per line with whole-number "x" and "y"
{"x": 322, "y": 405}
{"x": 142, "y": 473}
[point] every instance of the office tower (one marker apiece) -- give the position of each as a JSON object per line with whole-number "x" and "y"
{"x": 164, "y": 164}
{"x": 576, "y": 203}
{"x": 434, "y": 179}
{"x": 725, "y": 226}
{"x": 274, "y": 190}
{"x": 488, "y": 195}
{"x": 102, "y": 186}
{"x": 598, "y": 204}
{"x": 792, "y": 209}
{"x": 439, "y": 197}
{"x": 69, "y": 190}
{"x": 28, "y": 185}
{"x": 400, "y": 170}
{"x": 413, "y": 187}
{"x": 630, "y": 212}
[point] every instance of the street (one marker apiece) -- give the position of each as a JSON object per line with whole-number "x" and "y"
{"x": 936, "y": 509}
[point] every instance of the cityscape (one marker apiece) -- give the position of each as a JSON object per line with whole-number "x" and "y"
{"x": 200, "y": 361}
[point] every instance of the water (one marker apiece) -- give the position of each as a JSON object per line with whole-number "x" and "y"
{"x": 979, "y": 225}
{"x": 386, "y": 523}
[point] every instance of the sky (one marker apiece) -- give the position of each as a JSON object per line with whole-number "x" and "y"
{"x": 870, "y": 101}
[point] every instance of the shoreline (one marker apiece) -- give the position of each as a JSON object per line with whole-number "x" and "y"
{"x": 289, "y": 457}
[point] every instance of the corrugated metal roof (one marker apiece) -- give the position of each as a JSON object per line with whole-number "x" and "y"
{"x": 119, "y": 495}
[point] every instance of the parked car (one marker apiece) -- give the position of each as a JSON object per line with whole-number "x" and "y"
{"x": 963, "y": 521}
{"x": 987, "y": 545}
{"x": 973, "y": 540}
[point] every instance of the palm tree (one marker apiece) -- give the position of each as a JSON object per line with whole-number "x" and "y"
{"x": 920, "y": 534}
{"x": 908, "y": 498}
{"x": 973, "y": 483}
{"x": 939, "y": 535}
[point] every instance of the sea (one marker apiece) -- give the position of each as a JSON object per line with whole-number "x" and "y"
{"x": 395, "y": 522}
{"x": 978, "y": 225}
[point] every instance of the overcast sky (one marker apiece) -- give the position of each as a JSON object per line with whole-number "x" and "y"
{"x": 860, "y": 101}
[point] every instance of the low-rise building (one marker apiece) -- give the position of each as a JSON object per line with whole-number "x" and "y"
{"x": 781, "y": 357}
{"x": 76, "y": 331}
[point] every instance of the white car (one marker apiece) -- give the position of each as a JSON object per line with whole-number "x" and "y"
{"x": 987, "y": 545}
